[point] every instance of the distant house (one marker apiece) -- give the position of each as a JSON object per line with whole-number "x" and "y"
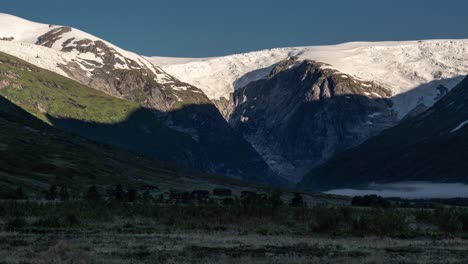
{"x": 200, "y": 195}
{"x": 227, "y": 201}
{"x": 148, "y": 187}
{"x": 179, "y": 196}
{"x": 248, "y": 195}
{"x": 253, "y": 196}
{"x": 222, "y": 192}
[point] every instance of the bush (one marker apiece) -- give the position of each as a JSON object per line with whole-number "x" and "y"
{"x": 93, "y": 194}
{"x": 464, "y": 220}
{"x": 63, "y": 194}
{"x": 132, "y": 195}
{"x": 52, "y": 193}
{"x": 380, "y": 222}
{"x": 15, "y": 224}
{"x": 54, "y": 221}
{"x": 275, "y": 199}
{"x": 370, "y": 201}
{"x": 17, "y": 194}
{"x": 49, "y": 221}
{"x": 448, "y": 220}
{"x": 119, "y": 193}
{"x": 328, "y": 219}
{"x": 297, "y": 200}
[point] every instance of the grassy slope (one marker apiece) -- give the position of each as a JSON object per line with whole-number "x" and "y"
{"x": 419, "y": 149}
{"x": 61, "y": 96}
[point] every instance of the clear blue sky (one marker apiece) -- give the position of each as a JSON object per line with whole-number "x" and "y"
{"x": 198, "y": 28}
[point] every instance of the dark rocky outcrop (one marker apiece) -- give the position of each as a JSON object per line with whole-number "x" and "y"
{"x": 303, "y": 113}
{"x": 49, "y": 38}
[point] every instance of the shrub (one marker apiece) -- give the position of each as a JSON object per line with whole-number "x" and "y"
{"x": 63, "y": 194}
{"x": 380, "y": 222}
{"x": 69, "y": 219}
{"x": 275, "y": 199}
{"x": 17, "y": 194}
{"x": 48, "y": 221}
{"x": 464, "y": 220}
{"x": 93, "y": 194}
{"x": 327, "y": 219}
{"x": 370, "y": 201}
{"x": 119, "y": 193}
{"x": 297, "y": 200}
{"x": 132, "y": 195}
{"x": 52, "y": 193}
{"x": 448, "y": 220}
{"x": 15, "y": 224}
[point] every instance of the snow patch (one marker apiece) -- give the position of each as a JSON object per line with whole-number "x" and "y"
{"x": 460, "y": 126}
{"x": 374, "y": 115}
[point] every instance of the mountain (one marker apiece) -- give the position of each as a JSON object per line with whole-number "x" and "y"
{"x": 292, "y": 105}
{"x": 432, "y": 146}
{"x": 411, "y": 70}
{"x": 170, "y": 119}
{"x": 303, "y": 113}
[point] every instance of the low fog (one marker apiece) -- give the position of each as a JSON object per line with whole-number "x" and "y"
{"x": 409, "y": 190}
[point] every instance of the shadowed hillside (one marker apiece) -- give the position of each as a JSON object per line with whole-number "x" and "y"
{"x": 432, "y": 146}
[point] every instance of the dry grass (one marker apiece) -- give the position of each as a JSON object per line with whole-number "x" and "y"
{"x": 223, "y": 247}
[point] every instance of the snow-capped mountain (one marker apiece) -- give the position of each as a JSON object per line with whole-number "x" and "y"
{"x": 275, "y": 113}
{"x": 105, "y": 67}
{"x": 411, "y": 70}
{"x": 326, "y": 100}
{"x": 92, "y": 61}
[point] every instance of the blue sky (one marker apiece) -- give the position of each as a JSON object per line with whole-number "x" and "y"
{"x": 199, "y": 28}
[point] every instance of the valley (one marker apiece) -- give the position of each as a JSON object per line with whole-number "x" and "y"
{"x": 343, "y": 153}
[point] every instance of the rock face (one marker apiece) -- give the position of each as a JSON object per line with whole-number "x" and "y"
{"x": 303, "y": 113}
{"x": 431, "y": 147}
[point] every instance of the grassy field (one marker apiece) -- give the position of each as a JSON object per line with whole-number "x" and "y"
{"x": 150, "y": 232}
{"x": 222, "y": 247}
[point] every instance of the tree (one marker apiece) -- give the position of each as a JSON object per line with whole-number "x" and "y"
{"x": 297, "y": 200}
{"x": 147, "y": 196}
{"x": 93, "y": 194}
{"x": 132, "y": 195}
{"x": 370, "y": 201}
{"x": 119, "y": 193}
{"x": 63, "y": 194}
{"x": 275, "y": 199}
{"x": 18, "y": 194}
{"x": 52, "y": 193}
